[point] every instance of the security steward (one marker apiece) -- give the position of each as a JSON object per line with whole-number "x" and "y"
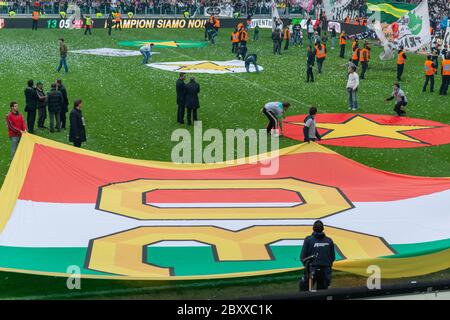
{"x": 445, "y": 71}
{"x": 88, "y": 25}
{"x": 321, "y": 54}
{"x": 364, "y": 57}
{"x": 117, "y": 19}
{"x": 400, "y": 63}
{"x": 430, "y": 69}
{"x": 356, "y": 54}
{"x": 342, "y": 43}
{"x": 234, "y": 41}
{"x": 35, "y": 19}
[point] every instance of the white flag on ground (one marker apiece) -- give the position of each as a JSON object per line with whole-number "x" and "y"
{"x": 412, "y": 31}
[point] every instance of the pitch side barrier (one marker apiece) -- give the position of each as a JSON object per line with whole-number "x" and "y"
{"x": 419, "y": 287}
{"x": 150, "y": 23}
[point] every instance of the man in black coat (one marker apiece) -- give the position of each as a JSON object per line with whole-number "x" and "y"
{"x": 181, "y": 98}
{"x": 309, "y": 64}
{"x": 77, "y": 133}
{"x": 55, "y": 104}
{"x": 192, "y": 90}
{"x": 31, "y": 104}
{"x": 42, "y": 110}
{"x": 65, "y": 108}
{"x": 320, "y": 251}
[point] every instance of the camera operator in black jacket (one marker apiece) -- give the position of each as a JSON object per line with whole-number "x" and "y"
{"x": 321, "y": 248}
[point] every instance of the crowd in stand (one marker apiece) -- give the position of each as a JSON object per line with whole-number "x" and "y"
{"x": 358, "y": 7}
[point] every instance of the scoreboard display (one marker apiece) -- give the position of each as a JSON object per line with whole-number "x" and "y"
{"x": 65, "y": 24}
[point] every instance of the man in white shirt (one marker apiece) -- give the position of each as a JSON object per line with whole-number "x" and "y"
{"x": 352, "y": 88}
{"x": 275, "y": 112}
{"x": 146, "y": 51}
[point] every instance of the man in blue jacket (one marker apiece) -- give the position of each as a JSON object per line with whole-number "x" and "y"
{"x": 321, "y": 248}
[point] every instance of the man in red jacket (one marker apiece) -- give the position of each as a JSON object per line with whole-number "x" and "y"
{"x": 16, "y": 126}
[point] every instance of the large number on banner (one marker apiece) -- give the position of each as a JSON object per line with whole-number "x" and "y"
{"x": 123, "y": 253}
{"x": 130, "y": 199}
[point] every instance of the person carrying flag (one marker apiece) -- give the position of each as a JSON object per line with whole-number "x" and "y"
{"x": 16, "y": 126}
{"x": 400, "y": 98}
{"x": 310, "y": 132}
{"x": 275, "y": 112}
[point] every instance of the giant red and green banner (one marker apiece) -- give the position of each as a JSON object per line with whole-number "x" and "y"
{"x": 120, "y": 218}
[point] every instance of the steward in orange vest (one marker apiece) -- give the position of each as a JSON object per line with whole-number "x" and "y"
{"x": 364, "y": 22}
{"x": 117, "y": 19}
{"x": 217, "y": 24}
{"x": 286, "y": 37}
{"x": 400, "y": 63}
{"x": 35, "y": 18}
{"x": 355, "y": 54}
{"x": 364, "y": 56}
{"x": 321, "y": 54}
{"x": 342, "y": 44}
{"x": 243, "y": 37}
{"x": 347, "y": 19}
{"x": 356, "y": 21}
{"x": 445, "y": 71}
{"x": 430, "y": 69}
{"x": 234, "y": 41}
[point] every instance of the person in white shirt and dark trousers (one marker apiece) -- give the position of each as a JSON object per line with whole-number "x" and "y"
{"x": 352, "y": 88}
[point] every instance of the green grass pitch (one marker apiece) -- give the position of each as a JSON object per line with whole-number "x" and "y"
{"x": 130, "y": 111}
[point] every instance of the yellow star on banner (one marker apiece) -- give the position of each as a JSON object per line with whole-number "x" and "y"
{"x": 360, "y": 126}
{"x": 207, "y": 65}
{"x": 172, "y": 44}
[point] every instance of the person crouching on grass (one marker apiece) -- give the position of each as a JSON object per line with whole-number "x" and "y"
{"x": 146, "y": 51}
{"x": 16, "y": 126}
{"x": 310, "y": 132}
{"x": 400, "y": 98}
{"x": 275, "y": 112}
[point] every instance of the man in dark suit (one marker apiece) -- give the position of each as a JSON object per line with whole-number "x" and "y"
{"x": 181, "y": 99}
{"x": 192, "y": 90}
{"x": 77, "y": 133}
{"x": 31, "y": 104}
{"x": 65, "y": 108}
{"x": 55, "y": 104}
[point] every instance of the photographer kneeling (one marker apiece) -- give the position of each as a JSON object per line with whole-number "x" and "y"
{"x": 318, "y": 256}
